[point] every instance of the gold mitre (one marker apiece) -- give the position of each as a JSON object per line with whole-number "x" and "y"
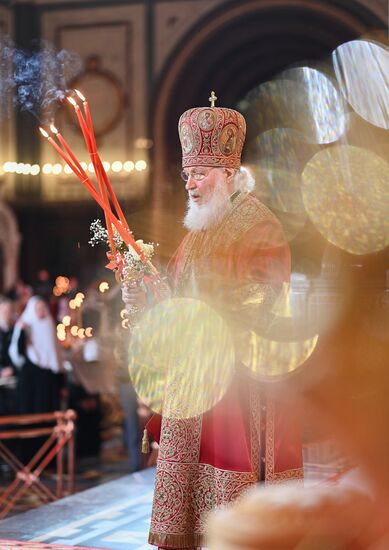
{"x": 211, "y": 136}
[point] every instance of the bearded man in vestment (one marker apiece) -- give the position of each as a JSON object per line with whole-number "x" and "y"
{"x": 235, "y": 259}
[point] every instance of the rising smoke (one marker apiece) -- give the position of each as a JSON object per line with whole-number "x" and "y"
{"x": 35, "y": 81}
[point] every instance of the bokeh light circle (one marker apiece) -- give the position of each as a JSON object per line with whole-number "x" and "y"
{"x": 279, "y": 157}
{"x": 346, "y": 195}
{"x": 302, "y": 98}
{"x": 321, "y": 107}
{"x": 181, "y": 358}
{"x": 362, "y": 69}
{"x": 268, "y": 358}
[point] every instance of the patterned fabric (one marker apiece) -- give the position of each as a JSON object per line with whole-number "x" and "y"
{"x": 200, "y": 249}
{"x": 238, "y": 269}
{"x": 211, "y": 136}
{"x": 185, "y": 517}
{"x": 273, "y": 472}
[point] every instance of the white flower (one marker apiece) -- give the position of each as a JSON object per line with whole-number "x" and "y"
{"x": 146, "y": 248}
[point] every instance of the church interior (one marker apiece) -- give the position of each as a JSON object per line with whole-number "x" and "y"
{"x": 91, "y": 93}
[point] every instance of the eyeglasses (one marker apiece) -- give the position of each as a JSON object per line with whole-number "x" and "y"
{"x": 197, "y": 176}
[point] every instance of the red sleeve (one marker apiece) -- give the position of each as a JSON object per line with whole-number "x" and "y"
{"x": 153, "y": 426}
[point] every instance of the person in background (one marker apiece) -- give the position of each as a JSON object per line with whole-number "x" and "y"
{"x": 43, "y": 286}
{"x": 89, "y": 379}
{"x": 129, "y": 403}
{"x": 20, "y": 294}
{"x": 40, "y": 366}
{"x": 8, "y": 401}
{"x": 35, "y": 352}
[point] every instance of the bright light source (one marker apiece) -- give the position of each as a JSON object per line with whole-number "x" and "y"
{"x": 57, "y": 169}
{"x": 128, "y": 166}
{"x": 103, "y": 286}
{"x": 47, "y": 168}
{"x": 143, "y": 143}
{"x": 123, "y": 313}
{"x": 140, "y": 165}
{"x": 117, "y": 166}
{"x": 9, "y": 167}
{"x": 80, "y": 95}
{"x": 44, "y": 133}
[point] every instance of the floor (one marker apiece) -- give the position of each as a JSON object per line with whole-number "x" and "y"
{"x": 114, "y": 515}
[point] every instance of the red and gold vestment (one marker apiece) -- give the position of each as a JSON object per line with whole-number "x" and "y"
{"x": 237, "y": 267}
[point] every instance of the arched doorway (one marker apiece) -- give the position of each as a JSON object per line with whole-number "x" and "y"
{"x": 233, "y": 49}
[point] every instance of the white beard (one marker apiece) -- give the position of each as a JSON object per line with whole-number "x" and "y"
{"x": 204, "y": 216}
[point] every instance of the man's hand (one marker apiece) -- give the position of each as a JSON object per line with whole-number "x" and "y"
{"x": 133, "y": 296}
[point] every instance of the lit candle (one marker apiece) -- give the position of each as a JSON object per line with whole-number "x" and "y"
{"x": 83, "y": 126}
{"x": 65, "y": 145}
{"x": 99, "y": 168}
{"x": 59, "y": 150}
{"x": 112, "y": 194}
{"x": 102, "y": 199}
{"x": 126, "y": 235}
{"x": 88, "y": 119}
{"x": 91, "y": 145}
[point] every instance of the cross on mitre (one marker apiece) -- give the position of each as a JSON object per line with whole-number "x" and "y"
{"x": 212, "y": 99}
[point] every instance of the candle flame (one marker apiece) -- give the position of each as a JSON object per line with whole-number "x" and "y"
{"x": 43, "y": 132}
{"x": 53, "y": 129}
{"x": 71, "y": 100}
{"x": 80, "y": 95}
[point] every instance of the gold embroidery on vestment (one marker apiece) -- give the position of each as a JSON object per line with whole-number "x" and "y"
{"x": 272, "y": 476}
{"x": 177, "y": 517}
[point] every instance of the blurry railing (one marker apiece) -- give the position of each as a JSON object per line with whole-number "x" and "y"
{"x": 57, "y": 429}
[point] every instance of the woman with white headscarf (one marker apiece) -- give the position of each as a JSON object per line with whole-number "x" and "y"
{"x": 40, "y": 364}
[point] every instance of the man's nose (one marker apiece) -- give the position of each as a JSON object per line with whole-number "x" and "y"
{"x": 191, "y": 183}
